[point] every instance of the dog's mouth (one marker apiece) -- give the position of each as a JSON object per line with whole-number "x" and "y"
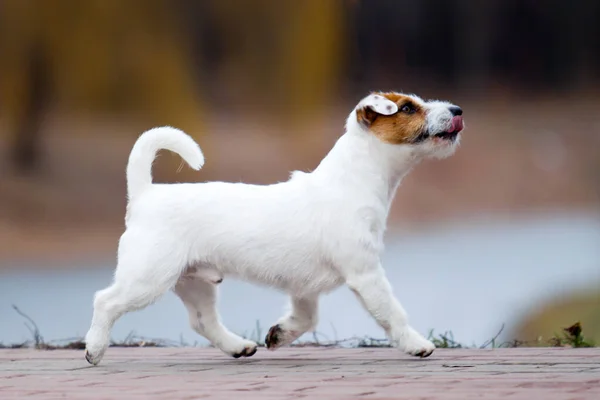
{"x": 450, "y": 135}
{"x": 455, "y": 129}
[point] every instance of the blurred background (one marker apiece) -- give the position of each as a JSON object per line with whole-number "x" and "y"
{"x": 506, "y": 232}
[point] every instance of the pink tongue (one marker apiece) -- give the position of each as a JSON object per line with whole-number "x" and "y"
{"x": 457, "y": 124}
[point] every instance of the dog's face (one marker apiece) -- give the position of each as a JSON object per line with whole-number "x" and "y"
{"x": 432, "y": 128}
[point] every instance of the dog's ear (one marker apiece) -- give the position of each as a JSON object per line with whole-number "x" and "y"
{"x": 372, "y": 106}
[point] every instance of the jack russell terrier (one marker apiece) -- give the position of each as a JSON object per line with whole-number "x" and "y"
{"x": 305, "y": 236}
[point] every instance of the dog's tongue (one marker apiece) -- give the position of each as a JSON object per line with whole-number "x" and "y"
{"x": 457, "y": 124}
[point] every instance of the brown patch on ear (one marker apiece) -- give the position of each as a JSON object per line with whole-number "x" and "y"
{"x": 399, "y": 128}
{"x": 366, "y": 116}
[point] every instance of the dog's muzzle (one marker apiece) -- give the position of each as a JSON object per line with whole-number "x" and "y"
{"x": 456, "y": 127}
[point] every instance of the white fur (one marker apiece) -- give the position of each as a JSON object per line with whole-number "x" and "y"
{"x": 379, "y": 104}
{"x": 142, "y": 155}
{"x": 306, "y": 236}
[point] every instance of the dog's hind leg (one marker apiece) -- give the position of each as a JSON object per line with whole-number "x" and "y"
{"x": 199, "y": 298}
{"x": 139, "y": 281}
{"x": 301, "y": 318}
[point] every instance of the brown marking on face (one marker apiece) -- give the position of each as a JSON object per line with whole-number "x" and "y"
{"x": 400, "y": 128}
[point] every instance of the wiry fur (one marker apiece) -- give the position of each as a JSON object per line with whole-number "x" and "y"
{"x": 306, "y": 236}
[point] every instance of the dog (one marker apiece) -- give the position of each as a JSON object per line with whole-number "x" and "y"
{"x": 305, "y": 236}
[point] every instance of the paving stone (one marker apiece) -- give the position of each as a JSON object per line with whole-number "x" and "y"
{"x": 295, "y": 373}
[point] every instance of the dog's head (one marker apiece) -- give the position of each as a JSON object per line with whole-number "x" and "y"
{"x": 431, "y": 128}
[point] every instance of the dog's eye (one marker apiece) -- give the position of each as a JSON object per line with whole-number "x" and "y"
{"x": 407, "y": 109}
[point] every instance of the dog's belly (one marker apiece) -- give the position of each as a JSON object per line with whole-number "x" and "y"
{"x": 298, "y": 285}
{"x": 207, "y": 273}
{"x": 298, "y": 280}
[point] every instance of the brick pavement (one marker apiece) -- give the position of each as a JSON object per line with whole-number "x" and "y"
{"x": 315, "y": 373}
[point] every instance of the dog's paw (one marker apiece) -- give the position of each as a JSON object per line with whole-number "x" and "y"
{"x": 278, "y": 336}
{"x": 96, "y": 343}
{"x": 423, "y": 351}
{"x": 415, "y": 344}
{"x": 93, "y": 357}
{"x": 247, "y": 352}
{"x": 245, "y": 348}
{"x": 274, "y": 337}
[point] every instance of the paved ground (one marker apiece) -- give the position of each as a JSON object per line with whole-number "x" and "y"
{"x": 315, "y": 373}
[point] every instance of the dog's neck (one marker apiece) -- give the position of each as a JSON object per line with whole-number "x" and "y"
{"x": 360, "y": 161}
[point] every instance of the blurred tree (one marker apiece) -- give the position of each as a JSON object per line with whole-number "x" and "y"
{"x": 21, "y": 82}
{"x": 310, "y": 55}
{"x": 286, "y": 54}
{"x": 26, "y": 142}
{"x": 93, "y": 56}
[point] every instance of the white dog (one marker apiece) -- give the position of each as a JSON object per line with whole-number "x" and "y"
{"x": 306, "y": 236}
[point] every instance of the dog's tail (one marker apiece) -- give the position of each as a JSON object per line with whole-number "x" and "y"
{"x": 139, "y": 167}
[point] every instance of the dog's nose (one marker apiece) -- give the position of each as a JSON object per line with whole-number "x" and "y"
{"x": 455, "y": 110}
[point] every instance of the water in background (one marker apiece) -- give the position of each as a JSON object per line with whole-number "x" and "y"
{"x": 469, "y": 279}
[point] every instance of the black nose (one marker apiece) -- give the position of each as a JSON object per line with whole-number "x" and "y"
{"x": 455, "y": 110}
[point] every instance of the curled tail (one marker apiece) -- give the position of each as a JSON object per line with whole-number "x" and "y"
{"x": 139, "y": 167}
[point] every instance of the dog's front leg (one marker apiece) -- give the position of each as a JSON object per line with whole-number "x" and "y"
{"x": 301, "y": 318}
{"x": 375, "y": 293}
